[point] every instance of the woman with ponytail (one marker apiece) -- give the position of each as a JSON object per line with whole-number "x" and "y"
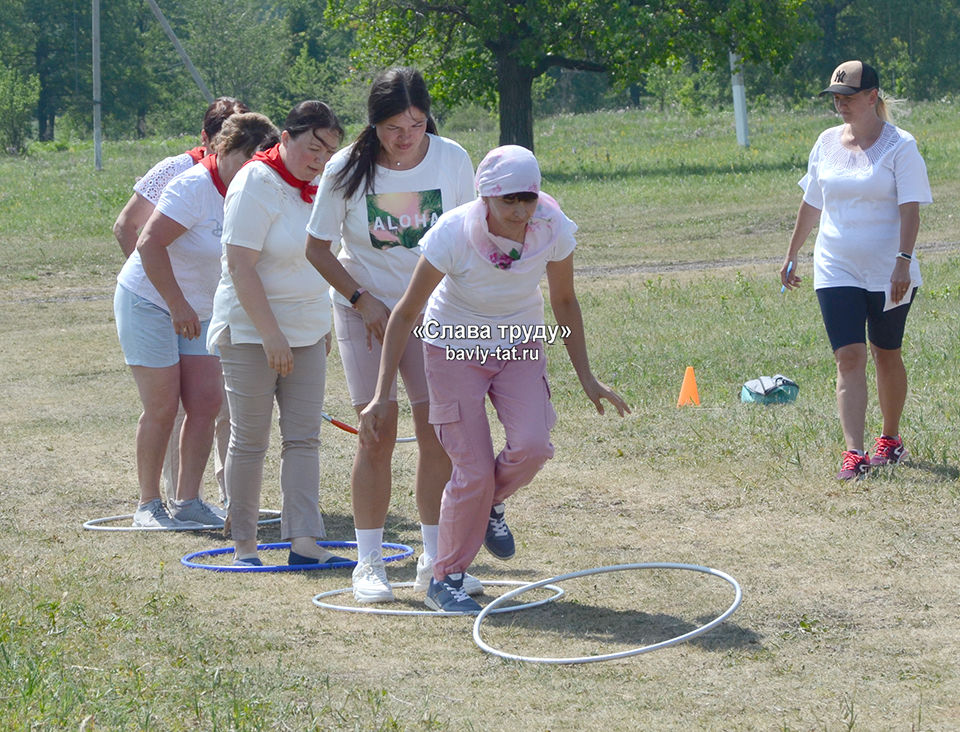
{"x": 864, "y": 186}
{"x": 377, "y": 199}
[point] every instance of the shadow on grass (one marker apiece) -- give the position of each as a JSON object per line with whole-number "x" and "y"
{"x": 942, "y": 470}
{"x": 678, "y": 170}
{"x": 591, "y": 624}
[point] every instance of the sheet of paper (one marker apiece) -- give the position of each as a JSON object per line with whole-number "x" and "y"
{"x": 889, "y": 304}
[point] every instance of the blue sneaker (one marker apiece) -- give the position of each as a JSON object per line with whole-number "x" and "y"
{"x": 294, "y": 559}
{"x": 247, "y": 562}
{"x": 499, "y": 540}
{"x": 448, "y": 596}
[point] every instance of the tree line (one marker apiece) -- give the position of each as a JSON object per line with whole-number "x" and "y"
{"x": 522, "y": 58}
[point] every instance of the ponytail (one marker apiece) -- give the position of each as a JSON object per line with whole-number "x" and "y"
{"x": 393, "y": 92}
{"x": 883, "y": 109}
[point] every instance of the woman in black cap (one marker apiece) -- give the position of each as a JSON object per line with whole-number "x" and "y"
{"x": 864, "y": 186}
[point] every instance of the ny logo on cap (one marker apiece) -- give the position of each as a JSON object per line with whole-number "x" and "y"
{"x": 840, "y": 76}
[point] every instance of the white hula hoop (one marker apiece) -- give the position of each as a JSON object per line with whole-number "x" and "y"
{"x": 99, "y": 524}
{"x": 557, "y": 594}
{"x": 492, "y": 608}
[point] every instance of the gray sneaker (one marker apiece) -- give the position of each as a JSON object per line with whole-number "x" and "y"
{"x": 196, "y": 511}
{"x": 153, "y": 515}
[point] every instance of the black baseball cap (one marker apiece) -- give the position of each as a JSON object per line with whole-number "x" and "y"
{"x": 851, "y": 77}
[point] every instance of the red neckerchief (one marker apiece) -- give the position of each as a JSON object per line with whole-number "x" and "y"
{"x": 210, "y": 163}
{"x": 272, "y": 158}
{"x": 197, "y": 154}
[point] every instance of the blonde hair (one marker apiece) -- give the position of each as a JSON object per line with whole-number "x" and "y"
{"x": 884, "y": 103}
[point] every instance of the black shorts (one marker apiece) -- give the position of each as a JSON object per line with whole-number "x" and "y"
{"x": 846, "y": 309}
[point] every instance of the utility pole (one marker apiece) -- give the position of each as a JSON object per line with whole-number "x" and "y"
{"x": 739, "y": 100}
{"x": 97, "y": 101}
{"x": 180, "y": 50}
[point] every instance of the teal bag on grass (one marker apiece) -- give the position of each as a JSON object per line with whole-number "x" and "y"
{"x": 769, "y": 390}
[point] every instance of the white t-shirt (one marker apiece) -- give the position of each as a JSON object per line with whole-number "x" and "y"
{"x": 477, "y": 293}
{"x": 263, "y": 212}
{"x": 858, "y": 193}
{"x": 380, "y": 232}
{"x": 151, "y": 185}
{"x": 192, "y": 200}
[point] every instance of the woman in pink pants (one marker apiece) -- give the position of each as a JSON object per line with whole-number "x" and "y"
{"x": 484, "y": 334}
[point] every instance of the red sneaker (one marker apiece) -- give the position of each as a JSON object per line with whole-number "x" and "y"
{"x": 888, "y": 451}
{"x": 853, "y": 465}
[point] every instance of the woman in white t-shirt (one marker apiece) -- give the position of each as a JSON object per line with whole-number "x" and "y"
{"x": 484, "y": 333}
{"x": 163, "y": 304}
{"x": 126, "y": 229}
{"x": 271, "y": 319}
{"x": 864, "y": 186}
{"x": 377, "y": 199}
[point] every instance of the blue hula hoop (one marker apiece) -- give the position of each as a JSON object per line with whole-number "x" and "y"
{"x": 402, "y": 551}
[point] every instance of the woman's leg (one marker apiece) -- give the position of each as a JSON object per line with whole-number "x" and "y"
{"x": 300, "y": 399}
{"x": 522, "y": 399}
{"x": 171, "y": 460}
{"x": 159, "y": 390}
{"x": 433, "y": 466}
{"x": 852, "y": 392}
{"x": 250, "y": 385}
{"x": 457, "y": 409}
{"x": 370, "y": 481}
{"x": 201, "y": 393}
{"x": 886, "y": 328}
{"x": 221, "y": 434}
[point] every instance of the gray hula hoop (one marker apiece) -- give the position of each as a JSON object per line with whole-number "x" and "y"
{"x": 557, "y": 594}
{"x": 492, "y": 608}
{"x": 102, "y": 524}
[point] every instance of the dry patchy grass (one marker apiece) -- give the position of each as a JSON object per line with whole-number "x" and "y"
{"x": 849, "y": 612}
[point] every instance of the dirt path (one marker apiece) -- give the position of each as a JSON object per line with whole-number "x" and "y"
{"x": 664, "y": 267}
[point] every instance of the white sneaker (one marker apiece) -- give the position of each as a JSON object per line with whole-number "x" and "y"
{"x": 153, "y": 515}
{"x": 370, "y": 580}
{"x": 471, "y": 585}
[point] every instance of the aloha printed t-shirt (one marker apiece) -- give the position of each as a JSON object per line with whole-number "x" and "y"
{"x": 379, "y": 230}
{"x": 401, "y": 219}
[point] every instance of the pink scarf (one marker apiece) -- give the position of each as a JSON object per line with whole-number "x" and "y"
{"x": 548, "y": 223}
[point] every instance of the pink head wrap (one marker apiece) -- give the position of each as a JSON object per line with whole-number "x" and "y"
{"x": 508, "y": 169}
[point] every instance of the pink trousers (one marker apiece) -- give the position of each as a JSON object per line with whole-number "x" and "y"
{"x": 519, "y": 392}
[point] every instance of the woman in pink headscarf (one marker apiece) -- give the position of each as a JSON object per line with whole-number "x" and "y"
{"x": 484, "y": 333}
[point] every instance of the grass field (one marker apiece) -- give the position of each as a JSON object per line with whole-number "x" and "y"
{"x": 849, "y": 618}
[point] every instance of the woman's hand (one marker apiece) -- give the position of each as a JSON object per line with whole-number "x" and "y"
{"x": 788, "y": 273}
{"x": 371, "y": 420}
{"x": 900, "y": 280}
{"x": 279, "y": 355}
{"x": 597, "y": 390}
{"x": 375, "y": 316}
{"x": 185, "y": 320}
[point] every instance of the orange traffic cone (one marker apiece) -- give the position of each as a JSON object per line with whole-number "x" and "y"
{"x": 688, "y": 391}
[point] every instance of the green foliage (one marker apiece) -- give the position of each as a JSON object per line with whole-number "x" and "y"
{"x": 475, "y": 50}
{"x": 915, "y": 47}
{"x": 18, "y": 99}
